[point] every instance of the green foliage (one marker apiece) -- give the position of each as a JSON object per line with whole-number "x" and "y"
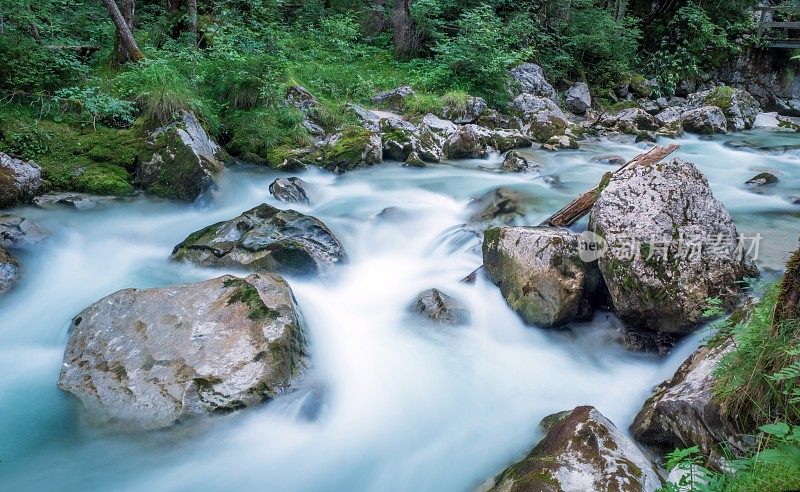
{"x": 256, "y": 134}
{"x": 757, "y": 383}
{"x": 97, "y": 105}
{"x": 29, "y": 68}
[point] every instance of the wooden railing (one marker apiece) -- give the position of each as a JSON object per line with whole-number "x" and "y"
{"x": 767, "y": 27}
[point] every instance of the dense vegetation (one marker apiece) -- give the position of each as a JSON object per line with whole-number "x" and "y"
{"x": 69, "y": 83}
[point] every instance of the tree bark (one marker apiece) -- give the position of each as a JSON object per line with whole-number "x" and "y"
{"x": 128, "y": 49}
{"x": 191, "y": 11}
{"x": 33, "y": 28}
{"x": 581, "y": 206}
{"x": 173, "y": 5}
{"x": 406, "y": 39}
{"x": 375, "y": 21}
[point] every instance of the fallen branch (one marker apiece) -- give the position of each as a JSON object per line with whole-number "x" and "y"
{"x": 580, "y": 206}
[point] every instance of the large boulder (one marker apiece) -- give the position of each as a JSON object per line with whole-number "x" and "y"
{"x": 475, "y": 142}
{"x": 395, "y": 98}
{"x": 669, "y": 116}
{"x": 707, "y": 120}
{"x": 671, "y": 246}
{"x": 539, "y": 117}
{"x": 466, "y": 111}
{"x": 633, "y": 121}
{"x": 540, "y": 273}
{"x": 403, "y": 141}
{"x": 290, "y": 190}
{"x": 500, "y": 205}
{"x": 20, "y": 180}
{"x": 148, "y": 358}
{"x": 181, "y": 162}
{"x": 578, "y": 98}
{"x": 515, "y": 162}
{"x": 529, "y": 78}
{"x": 682, "y": 411}
{"x": 350, "y": 149}
{"x": 299, "y": 97}
{"x": 440, "y": 308}
{"x": 264, "y": 238}
{"x": 739, "y": 107}
{"x": 9, "y": 271}
{"x": 19, "y": 232}
{"x": 441, "y": 127}
{"x": 581, "y": 451}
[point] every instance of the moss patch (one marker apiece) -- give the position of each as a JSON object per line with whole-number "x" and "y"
{"x": 247, "y": 294}
{"x": 721, "y": 97}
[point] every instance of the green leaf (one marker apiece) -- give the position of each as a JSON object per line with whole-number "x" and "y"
{"x": 778, "y": 429}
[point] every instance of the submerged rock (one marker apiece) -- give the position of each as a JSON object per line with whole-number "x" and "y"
{"x": 20, "y": 180}
{"x": 560, "y": 142}
{"x": 9, "y": 271}
{"x": 148, "y": 358}
{"x": 264, "y": 239}
{"x": 514, "y": 162}
{"x": 540, "y": 273}
{"x": 762, "y": 179}
{"x": 578, "y": 99}
{"x": 290, "y": 190}
{"x": 501, "y": 205}
{"x": 529, "y": 78}
{"x": 78, "y": 201}
{"x": 682, "y": 411}
{"x": 182, "y": 160}
{"x": 704, "y": 121}
{"x": 440, "y": 308}
{"x": 582, "y": 451}
{"x": 671, "y": 246}
{"x": 19, "y": 232}
{"x": 609, "y": 160}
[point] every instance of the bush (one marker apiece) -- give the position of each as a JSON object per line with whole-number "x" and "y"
{"x": 255, "y": 135}
{"x": 30, "y": 68}
{"x": 99, "y": 106}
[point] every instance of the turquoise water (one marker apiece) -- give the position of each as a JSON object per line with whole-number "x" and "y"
{"x": 389, "y": 404}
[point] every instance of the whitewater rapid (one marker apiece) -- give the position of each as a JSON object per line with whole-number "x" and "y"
{"x": 390, "y": 403}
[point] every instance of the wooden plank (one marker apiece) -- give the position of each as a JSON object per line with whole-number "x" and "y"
{"x": 780, "y": 25}
{"x": 580, "y": 206}
{"x": 784, "y": 44}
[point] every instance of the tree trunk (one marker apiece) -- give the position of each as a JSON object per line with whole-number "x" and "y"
{"x": 128, "y": 13}
{"x": 788, "y": 305}
{"x": 375, "y": 21}
{"x": 34, "y": 29}
{"x": 191, "y": 11}
{"x": 173, "y": 5}
{"x": 128, "y": 49}
{"x": 406, "y": 38}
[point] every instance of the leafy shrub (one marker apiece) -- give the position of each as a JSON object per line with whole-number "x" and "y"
{"x": 256, "y": 134}
{"x": 30, "y": 68}
{"x": 98, "y": 105}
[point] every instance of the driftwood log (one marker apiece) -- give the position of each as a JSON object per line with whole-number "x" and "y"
{"x": 580, "y": 206}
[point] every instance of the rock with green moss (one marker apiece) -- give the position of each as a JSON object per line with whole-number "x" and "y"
{"x": 465, "y": 111}
{"x": 394, "y": 98}
{"x": 353, "y": 148}
{"x": 20, "y": 180}
{"x": 265, "y": 238}
{"x": 540, "y": 273}
{"x": 630, "y": 121}
{"x": 539, "y": 117}
{"x": 476, "y": 142}
{"x": 582, "y": 451}
{"x": 149, "y": 358}
{"x": 181, "y": 161}
{"x": 706, "y": 120}
{"x": 404, "y": 142}
{"x": 515, "y": 162}
{"x": 560, "y": 142}
{"x": 671, "y": 246}
{"x": 682, "y": 411}
{"x": 739, "y": 107}
{"x": 10, "y": 272}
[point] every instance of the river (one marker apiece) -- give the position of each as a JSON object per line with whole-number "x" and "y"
{"x": 389, "y": 404}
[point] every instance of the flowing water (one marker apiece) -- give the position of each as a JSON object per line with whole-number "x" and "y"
{"x": 389, "y": 403}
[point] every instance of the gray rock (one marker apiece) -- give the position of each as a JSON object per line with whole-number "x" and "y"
{"x": 539, "y": 117}
{"x": 685, "y": 87}
{"x": 440, "y": 308}
{"x": 669, "y": 116}
{"x": 475, "y": 142}
{"x": 500, "y": 205}
{"x": 762, "y": 179}
{"x": 514, "y": 162}
{"x": 468, "y": 112}
{"x": 264, "y": 239}
{"x": 662, "y": 102}
{"x": 704, "y": 121}
{"x": 350, "y": 149}
{"x": 19, "y": 232}
{"x": 404, "y": 142}
{"x": 552, "y": 180}
{"x": 609, "y": 160}
{"x": 578, "y": 99}
{"x": 78, "y": 201}
{"x": 676, "y": 102}
{"x": 540, "y": 273}
{"x": 290, "y": 190}
{"x": 20, "y": 180}
{"x": 443, "y": 128}
{"x": 560, "y": 142}
{"x": 671, "y": 246}
{"x": 395, "y": 98}
{"x": 10, "y": 272}
{"x": 184, "y": 160}
{"x": 651, "y": 107}
{"x": 529, "y": 78}
{"x": 635, "y": 120}
{"x": 739, "y": 107}
{"x": 369, "y": 120}
{"x": 682, "y": 411}
{"x": 581, "y": 451}
{"x": 299, "y": 97}
{"x": 148, "y": 358}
